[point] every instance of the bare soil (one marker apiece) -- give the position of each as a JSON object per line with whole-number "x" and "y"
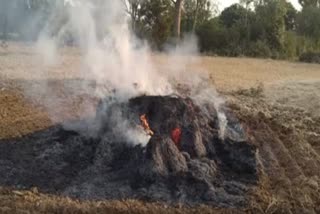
{"x": 277, "y": 101}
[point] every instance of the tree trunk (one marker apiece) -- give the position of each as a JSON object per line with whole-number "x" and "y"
{"x": 177, "y": 20}
{"x": 195, "y": 19}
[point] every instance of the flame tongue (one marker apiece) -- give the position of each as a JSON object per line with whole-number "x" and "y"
{"x": 176, "y": 136}
{"x": 175, "y": 133}
{"x": 145, "y": 124}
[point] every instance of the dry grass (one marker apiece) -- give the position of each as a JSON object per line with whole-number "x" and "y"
{"x": 25, "y": 202}
{"x": 234, "y": 73}
{"x": 22, "y": 62}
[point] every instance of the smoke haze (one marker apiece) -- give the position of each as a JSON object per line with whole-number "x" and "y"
{"x": 117, "y": 62}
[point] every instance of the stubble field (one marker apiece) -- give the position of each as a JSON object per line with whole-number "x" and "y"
{"x": 278, "y": 101}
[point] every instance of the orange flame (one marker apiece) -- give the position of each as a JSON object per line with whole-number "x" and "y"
{"x": 145, "y": 124}
{"x": 176, "y": 136}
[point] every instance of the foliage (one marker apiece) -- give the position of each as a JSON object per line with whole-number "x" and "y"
{"x": 310, "y": 57}
{"x": 290, "y": 17}
{"x": 291, "y": 48}
{"x": 309, "y": 22}
{"x": 271, "y": 16}
{"x": 212, "y": 36}
{"x": 267, "y": 28}
{"x": 233, "y": 15}
{"x": 155, "y": 21}
{"x": 259, "y": 49}
{"x": 196, "y": 12}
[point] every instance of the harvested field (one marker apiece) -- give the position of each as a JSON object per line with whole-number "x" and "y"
{"x": 277, "y": 101}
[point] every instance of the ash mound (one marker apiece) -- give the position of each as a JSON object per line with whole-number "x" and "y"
{"x": 186, "y": 160}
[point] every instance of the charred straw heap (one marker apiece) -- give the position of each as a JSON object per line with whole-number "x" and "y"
{"x": 185, "y": 160}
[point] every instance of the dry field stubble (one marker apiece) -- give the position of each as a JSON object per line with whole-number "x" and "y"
{"x": 283, "y": 117}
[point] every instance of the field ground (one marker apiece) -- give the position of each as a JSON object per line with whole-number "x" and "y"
{"x": 278, "y": 101}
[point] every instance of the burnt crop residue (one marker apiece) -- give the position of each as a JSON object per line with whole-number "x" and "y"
{"x": 184, "y": 161}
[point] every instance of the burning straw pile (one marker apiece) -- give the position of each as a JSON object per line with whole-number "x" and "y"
{"x": 185, "y": 160}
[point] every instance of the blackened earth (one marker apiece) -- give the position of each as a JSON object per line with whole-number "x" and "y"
{"x": 203, "y": 169}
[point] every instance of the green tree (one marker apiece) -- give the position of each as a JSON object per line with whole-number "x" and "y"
{"x": 233, "y": 14}
{"x": 197, "y": 12}
{"x": 290, "y": 17}
{"x": 156, "y": 21}
{"x": 271, "y": 16}
{"x": 212, "y": 37}
{"x": 309, "y": 23}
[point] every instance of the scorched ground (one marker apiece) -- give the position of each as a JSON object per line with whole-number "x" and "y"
{"x": 186, "y": 159}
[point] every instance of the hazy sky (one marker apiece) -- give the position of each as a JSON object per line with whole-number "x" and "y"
{"x": 226, "y": 3}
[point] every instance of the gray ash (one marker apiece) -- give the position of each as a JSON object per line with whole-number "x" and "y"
{"x": 185, "y": 160}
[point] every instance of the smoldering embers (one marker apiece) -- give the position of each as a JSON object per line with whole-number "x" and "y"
{"x": 203, "y": 168}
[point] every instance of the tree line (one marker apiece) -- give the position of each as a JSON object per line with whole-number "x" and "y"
{"x": 255, "y": 28}
{"x": 263, "y": 28}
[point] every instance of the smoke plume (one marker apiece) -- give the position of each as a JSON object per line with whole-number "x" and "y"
{"x": 119, "y": 64}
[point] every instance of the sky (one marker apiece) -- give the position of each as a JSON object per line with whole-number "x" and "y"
{"x": 226, "y": 3}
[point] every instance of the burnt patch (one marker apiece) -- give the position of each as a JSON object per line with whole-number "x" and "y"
{"x": 185, "y": 160}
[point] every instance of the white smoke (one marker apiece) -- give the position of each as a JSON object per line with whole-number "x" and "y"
{"x": 124, "y": 131}
{"x": 118, "y": 63}
{"x": 182, "y": 71}
{"x": 111, "y": 55}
